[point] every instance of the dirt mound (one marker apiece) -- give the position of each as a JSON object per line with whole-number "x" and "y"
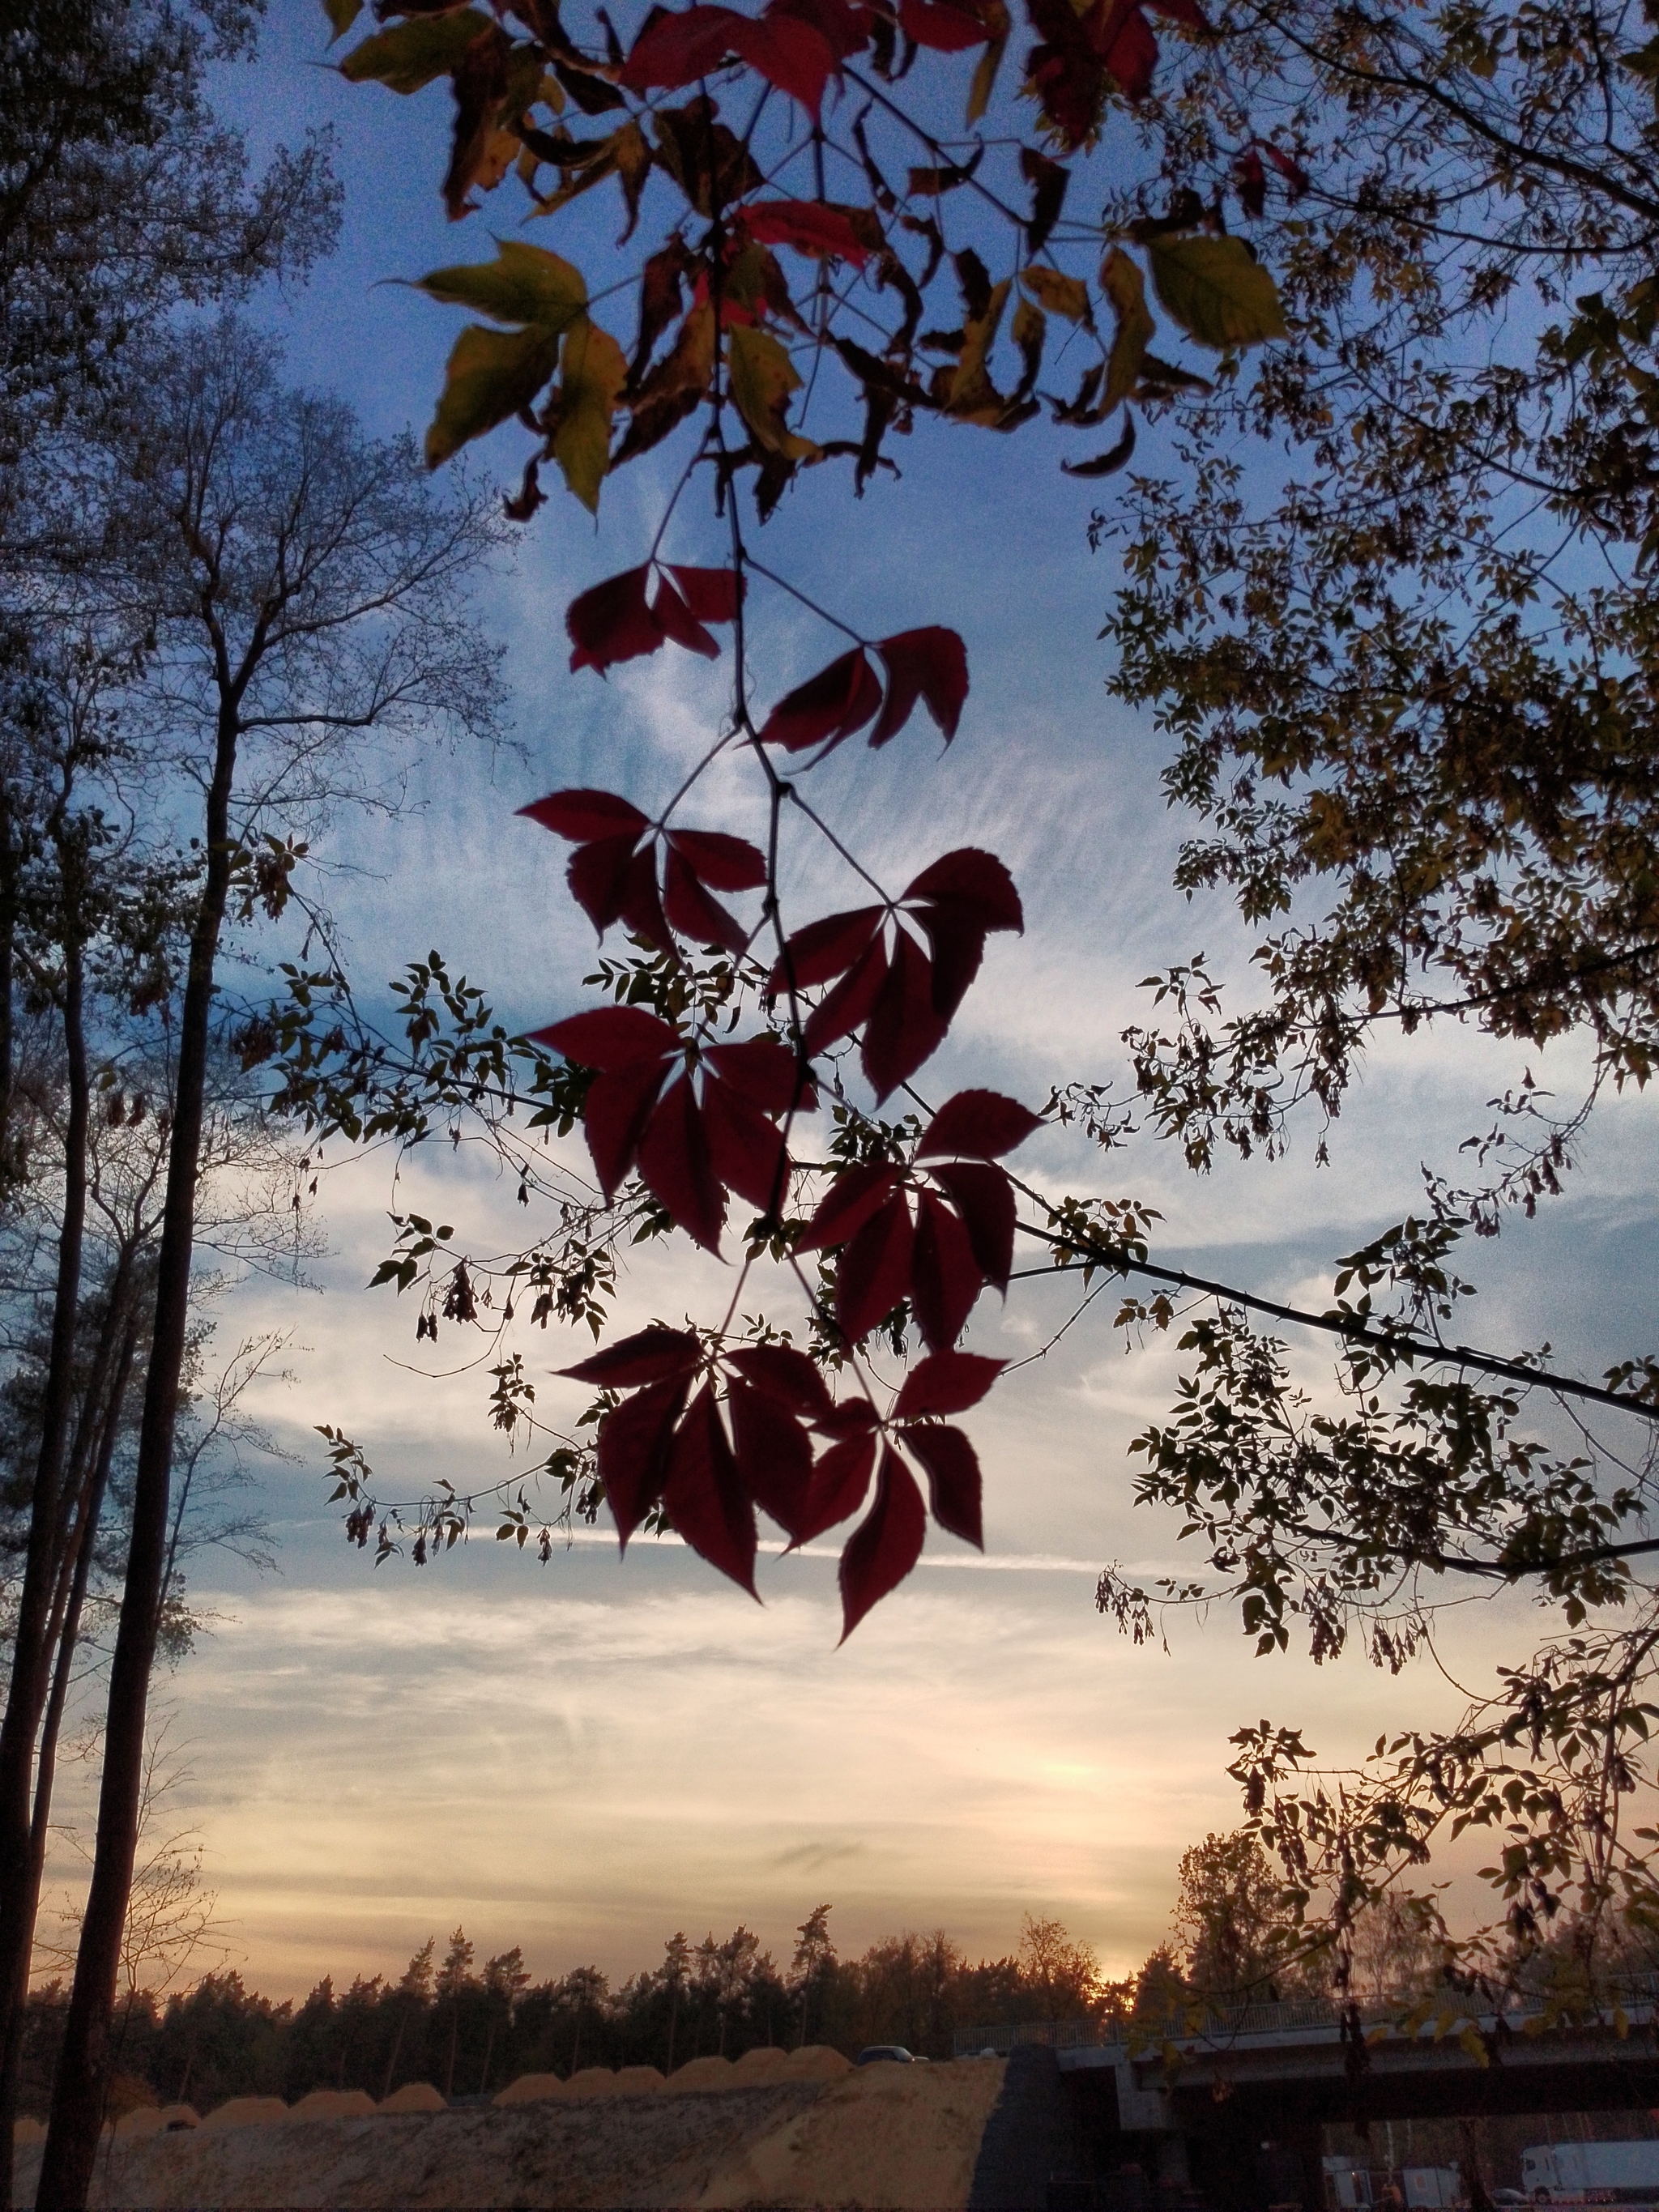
{"x": 895, "y": 2135}
{"x": 887, "y": 2135}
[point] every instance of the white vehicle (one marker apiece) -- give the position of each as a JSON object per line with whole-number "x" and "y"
{"x": 1348, "y": 2186}
{"x": 1432, "y": 2187}
{"x": 1570, "y": 2171}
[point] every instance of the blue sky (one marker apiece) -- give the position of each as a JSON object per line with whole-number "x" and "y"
{"x": 583, "y": 1757}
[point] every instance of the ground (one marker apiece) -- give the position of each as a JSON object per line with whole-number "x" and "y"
{"x": 903, "y": 2136}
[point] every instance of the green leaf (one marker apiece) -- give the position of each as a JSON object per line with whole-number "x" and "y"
{"x": 592, "y": 376}
{"x": 342, "y": 15}
{"x": 1216, "y": 290}
{"x": 522, "y": 285}
{"x": 1121, "y": 280}
{"x": 410, "y": 55}
{"x": 762, "y": 377}
{"x": 491, "y": 374}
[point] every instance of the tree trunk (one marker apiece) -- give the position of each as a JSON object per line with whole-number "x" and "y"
{"x": 391, "y": 2063}
{"x": 86, "y": 1540}
{"x": 31, "y": 1656}
{"x": 10, "y": 868}
{"x": 62, "y": 1639}
{"x": 78, "y": 2095}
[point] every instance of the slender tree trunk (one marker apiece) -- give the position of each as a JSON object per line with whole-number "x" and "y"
{"x": 82, "y": 1465}
{"x": 63, "y": 1638}
{"x": 391, "y": 2063}
{"x": 77, "y": 2105}
{"x": 86, "y": 1541}
{"x": 11, "y": 871}
{"x": 454, "y": 2030}
{"x": 31, "y": 1656}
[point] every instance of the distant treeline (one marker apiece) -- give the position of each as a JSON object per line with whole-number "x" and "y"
{"x": 471, "y": 2030}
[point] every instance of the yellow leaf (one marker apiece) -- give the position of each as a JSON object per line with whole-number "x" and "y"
{"x": 985, "y": 76}
{"x": 625, "y": 155}
{"x": 1216, "y": 290}
{"x": 410, "y": 55}
{"x": 491, "y": 374}
{"x": 762, "y": 376}
{"x": 342, "y": 15}
{"x": 970, "y": 395}
{"x": 1061, "y": 295}
{"x": 1120, "y": 280}
{"x": 592, "y": 374}
{"x": 500, "y": 150}
{"x": 523, "y": 284}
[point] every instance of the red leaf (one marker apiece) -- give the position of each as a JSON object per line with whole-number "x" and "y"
{"x": 948, "y": 1383}
{"x": 614, "y": 1116}
{"x": 712, "y": 594}
{"x": 946, "y": 30}
{"x": 642, "y": 907}
{"x": 843, "y": 24}
{"x": 945, "y": 1277}
{"x": 957, "y": 944}
{"x": 839, "y": 1482}
{"x": 774, "y": 1456}
{"x": 904, "y": 1027}
{"x": 1252, "y": 181}
{"x": 848, "y": 1205}
{"x": 673, "y": 50}
{"x": 583, "y": 816}
{"x": 875, "y": 1270}
{"x": 842, "y": 1008}
{"x": 886, "y": 1544}
{"x": 953, "y": 1479}
{"x": 746, "y": 1149}
{"x": 674, "y": 1162}
{"x": 724, "y": 863}
{"x": 978, "y": 1125}
{"x": 976, "y": 881}
{"x": 599, "y": 875}
{"x": 706, "y": 1500}
{"x": 1183, "y": 11}
{"x": 930, "y": 665}
{"x": 852, "y": 1417}
{"x": 808, "y": 226}
{"x": 1292, "y": 172}
{"x": 610, "y": 1037}
{"x": 1132, "y": 54}
{"x": 694, "y": 914}
{"x": 652, "y": 1355}
{"x": 676, "y": 620}
{"x": 966, "y": 893}
{"x": 1065, "y": 71}
{"x": 765, "y": 1071}
{"x": 832, "y": 704}
{"x": 789, "y": 54}
{"x": 984, "y": 1197}
{"x": 634, "y": 1438}
{"x": 825, "y": 948}
{"x": 611, "y": 622}
{"x": 785, "y": 1376}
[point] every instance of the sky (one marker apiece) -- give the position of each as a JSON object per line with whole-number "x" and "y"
{"x": 585, "y": 1756}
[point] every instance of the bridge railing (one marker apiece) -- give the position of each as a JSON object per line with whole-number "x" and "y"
{"x": 1286, "y": 2016}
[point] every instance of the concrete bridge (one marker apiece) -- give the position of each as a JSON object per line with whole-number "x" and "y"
{"x": 1232, "y": 2116}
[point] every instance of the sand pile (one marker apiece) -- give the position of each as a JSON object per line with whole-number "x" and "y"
{"x": 898, "y": 2135}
